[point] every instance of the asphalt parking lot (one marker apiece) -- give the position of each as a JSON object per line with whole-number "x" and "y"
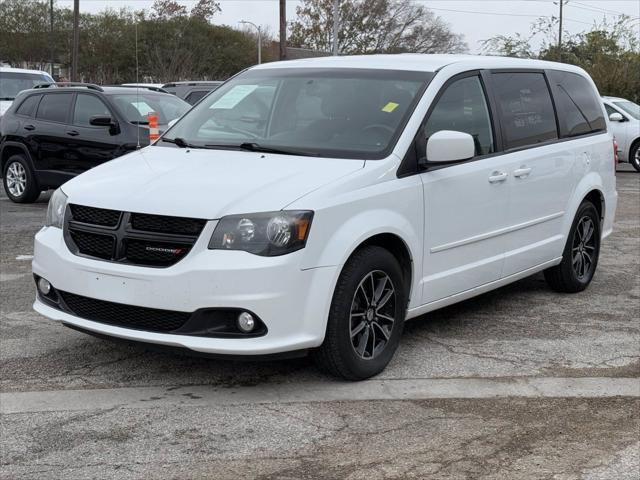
{"x": 518, "y": 383}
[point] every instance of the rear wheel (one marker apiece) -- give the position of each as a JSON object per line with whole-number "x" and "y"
{"x": 366, "y": 317}
{"x": 581, "y": 252}
{"x": 634, "y": 156}
{"x": 19, "y": 182}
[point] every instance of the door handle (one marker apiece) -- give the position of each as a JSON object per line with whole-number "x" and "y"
{"x": 29, "y": 127}
{"x": 73, "y": 133}
{"x": 498, "y": 177}
{"x": 522, "y": 172}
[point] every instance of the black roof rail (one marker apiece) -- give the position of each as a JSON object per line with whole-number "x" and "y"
{"x": 146, "y": 87}
{"x": 91, "y": 86}
{"x": 193, "y": 83}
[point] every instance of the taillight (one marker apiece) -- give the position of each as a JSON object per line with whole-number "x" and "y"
{"x": 615, "y": 154}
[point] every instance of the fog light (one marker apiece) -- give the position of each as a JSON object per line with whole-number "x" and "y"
{"x": 245, "y": 322}
{"x": 44, "y": 286}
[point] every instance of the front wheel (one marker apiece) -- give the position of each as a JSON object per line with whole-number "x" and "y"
{"x": 581, "y": 252}
{"x": 634, "y": 156}
{"x": 366, "y": 317}
{"x": 19, "y": 181}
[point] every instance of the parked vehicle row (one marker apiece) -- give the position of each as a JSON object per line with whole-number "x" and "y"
{"x": 314, "y": 205}
{"x": 50, "y": 135}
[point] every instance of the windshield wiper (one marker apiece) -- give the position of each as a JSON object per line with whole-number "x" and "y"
{"x": 140, "y": 122}
{"x": 256, "y": 147}
{"x": 7, "y": 98}
{"x": 179, "y": 141}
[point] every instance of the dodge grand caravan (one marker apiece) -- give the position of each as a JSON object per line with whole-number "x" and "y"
{"x": 315, "y": 205}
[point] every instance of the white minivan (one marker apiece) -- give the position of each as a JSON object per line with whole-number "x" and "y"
{"x": 315, "y": 205}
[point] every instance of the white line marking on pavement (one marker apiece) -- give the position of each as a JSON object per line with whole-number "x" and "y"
{"x": 329, "y": 391}
{"x": 24, "y": 257}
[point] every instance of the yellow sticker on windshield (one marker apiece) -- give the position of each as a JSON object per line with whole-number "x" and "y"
{"x": 390, "y": 107}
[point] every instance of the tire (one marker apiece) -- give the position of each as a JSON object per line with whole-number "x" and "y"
{"x": 19, "y": 181}
{"x": 352, "y": 356}
{"x": 576, "y": 271}
{"x": 634, "y": 156}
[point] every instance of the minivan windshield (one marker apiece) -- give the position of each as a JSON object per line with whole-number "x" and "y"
{"x": 12, "y": 83}
{"x": 629, "y": 107}
{"x": 340, "y": 112}
{"x": 135, "y": 106}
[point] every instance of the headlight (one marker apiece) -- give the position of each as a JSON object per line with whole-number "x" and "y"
{"x": 266, "y": 234}
{"x": 56, "y": 208}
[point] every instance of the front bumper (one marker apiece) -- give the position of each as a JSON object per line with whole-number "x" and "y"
{"x": 293, "y": 303}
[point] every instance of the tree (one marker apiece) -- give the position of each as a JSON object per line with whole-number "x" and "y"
{"x": 173, "y": 42}
{"x": 373, "y": 26}
{"x": 609, "y": 52}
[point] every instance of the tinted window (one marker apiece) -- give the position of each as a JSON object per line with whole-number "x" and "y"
{"x": 463, "y": 107}
{"x": 86, "y": 107}
{"x": 525, "y": 107}
{"x": 28, "y": 107}
{"x": 579, "y": 109}
{"x": 195, "y": 97}
{"x": 54, "y": 107}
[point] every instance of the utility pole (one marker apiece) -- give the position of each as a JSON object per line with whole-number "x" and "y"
{"x": 76, "y": 40}
{"x": 561, "y": 2}
{"x": 336, "y": 26}
{"x": 51, "y": 41}
{"x": 283, "y": 29}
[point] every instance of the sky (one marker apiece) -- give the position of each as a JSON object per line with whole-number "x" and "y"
{"x": 476, "y": 19}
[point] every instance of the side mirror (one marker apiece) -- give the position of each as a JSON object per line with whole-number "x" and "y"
{"x": 101, "y": 121}
{"x": 616, "y": 117}
{"x": 450, "y": 146}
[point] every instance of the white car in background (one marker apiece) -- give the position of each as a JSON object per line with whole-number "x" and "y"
{"x": 625, "y": 125}
{"x": 15, "y": 80}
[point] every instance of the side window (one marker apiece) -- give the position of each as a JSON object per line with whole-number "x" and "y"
{"x": 463, "y": 107}
{"x": 579, "y": 109}
{"x": 28, "y": 107}
{"x": 86, "y": 107}
{"x": 525, "y": 108}
{"x": 610, "y": 109}
{"x": 54, "y": 107}
{"x": 195, "y": 96}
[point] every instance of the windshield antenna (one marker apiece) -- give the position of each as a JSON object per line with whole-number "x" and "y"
{"x": 137, "y": 89}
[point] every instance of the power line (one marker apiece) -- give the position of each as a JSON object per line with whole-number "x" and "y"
{"x": 475, "y": 12}
{"x": 596, "y": 8}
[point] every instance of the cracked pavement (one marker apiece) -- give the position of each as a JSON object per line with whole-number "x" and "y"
{"x": 520, "y": 331}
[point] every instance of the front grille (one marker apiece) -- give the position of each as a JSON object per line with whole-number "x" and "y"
{"x": 95, "y": 216}
{"x": 160, "y": 223}
{"x": 128, "y": 316}
{"x": 133, "y": 238}
{"x": 154, "y": 253}
{"x": 101, "y": 246}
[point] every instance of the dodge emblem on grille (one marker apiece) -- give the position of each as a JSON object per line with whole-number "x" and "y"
{"x": 172, "y": 251}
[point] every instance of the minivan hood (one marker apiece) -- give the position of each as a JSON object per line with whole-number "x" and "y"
{"x": 203, "y": 183}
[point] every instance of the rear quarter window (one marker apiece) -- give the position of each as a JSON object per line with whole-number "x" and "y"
{"x": 579, "y": 109}
{"x": 28, "y": 106}
{"x": 525, "y": 108}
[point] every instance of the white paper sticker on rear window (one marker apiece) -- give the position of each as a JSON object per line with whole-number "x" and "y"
{"x": 234, "y": 96}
